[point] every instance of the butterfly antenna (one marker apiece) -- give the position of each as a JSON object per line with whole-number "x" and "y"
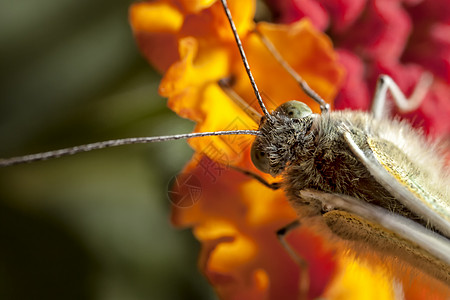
{"x": 244, "y": 60}
{"x": 114, "y": 143}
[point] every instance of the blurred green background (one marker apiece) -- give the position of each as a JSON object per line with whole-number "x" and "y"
{"x": 95, "y": 225}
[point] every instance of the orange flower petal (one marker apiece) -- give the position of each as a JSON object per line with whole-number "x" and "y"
{"x": 191, "y": 85}
{"x": 197, "y": 5}
{"x": 156, "y": 36}
{"x": 212, "y": 24}
{"x": 159, "y": 25}
{"x": 144, "y": 14}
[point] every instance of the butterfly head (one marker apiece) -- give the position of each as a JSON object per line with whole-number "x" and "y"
{"x": 272, "y": 150}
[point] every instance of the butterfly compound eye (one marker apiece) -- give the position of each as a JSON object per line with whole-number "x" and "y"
{"x": 260, "y": 158}
{"x": 294, "y": 109}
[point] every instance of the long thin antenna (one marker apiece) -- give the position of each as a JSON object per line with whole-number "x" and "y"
{"x": 113, "y": 143}
{"x": 324, "y": 107}
{"x": 244, "y": 60}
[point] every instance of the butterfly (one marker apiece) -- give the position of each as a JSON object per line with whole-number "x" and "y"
{"x": 350, "y": 138}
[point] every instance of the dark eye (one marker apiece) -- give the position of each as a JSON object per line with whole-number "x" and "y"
{"x": 259, "y": 157}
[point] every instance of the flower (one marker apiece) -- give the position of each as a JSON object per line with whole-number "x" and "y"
{"x": 234, "y": 217}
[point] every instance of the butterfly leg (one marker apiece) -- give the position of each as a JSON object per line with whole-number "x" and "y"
{"x": 271, "y": 185}
{"x": 403, "y": 103}
{"x": 303, "y": 264}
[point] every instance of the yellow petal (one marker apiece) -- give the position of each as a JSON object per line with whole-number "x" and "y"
{"x": 360, "y": 282}
{"x": 161, "y": 17}
{"x": 194, "y": 6}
